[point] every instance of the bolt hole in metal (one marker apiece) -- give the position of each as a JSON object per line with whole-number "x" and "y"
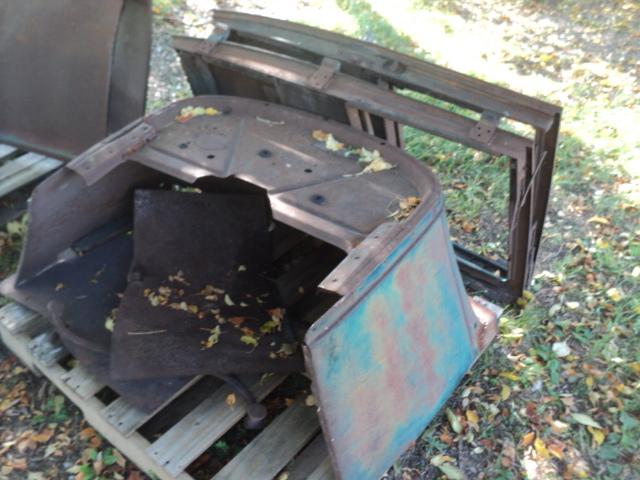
{"x": 211, "y": 156}
{"x": 318, "y": 199}
{"x": 308, "y": 170}
{"x": 264, "y": 153}
{"x": 183, "y": 146}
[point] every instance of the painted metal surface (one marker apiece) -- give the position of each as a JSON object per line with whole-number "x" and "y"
{"x": 388, "y": 355}
{"x": 354, "y": 82}
{"x": 72, "y": 71}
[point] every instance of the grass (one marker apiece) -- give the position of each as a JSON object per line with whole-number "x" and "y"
{"x": 570, "y": 358}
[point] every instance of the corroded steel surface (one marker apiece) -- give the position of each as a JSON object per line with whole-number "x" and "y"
{"x": 186, "y": 232}
{"x": 386, "y": 356}
{"x": 72, "y": 71}
{"x": 355, "y": 82}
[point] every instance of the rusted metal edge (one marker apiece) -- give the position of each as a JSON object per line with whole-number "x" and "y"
{"x": 401, "y": 70}
{"x": 360, "y": 94}
{"x": 112, "y": 151}
{"x": 389, "y": 240}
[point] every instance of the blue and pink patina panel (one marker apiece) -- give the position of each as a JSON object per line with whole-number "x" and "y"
{"x": 383, "y": 366}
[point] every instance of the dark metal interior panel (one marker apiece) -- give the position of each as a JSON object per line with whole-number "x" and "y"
{"x": 71, "y": 71}
{"x": 184, "y": 234}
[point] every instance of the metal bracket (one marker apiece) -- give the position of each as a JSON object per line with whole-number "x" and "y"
{"x": 321, "y": 77}
{"x": 220, "y": 34}
{"x": 485, "y": 129}
{"x": 111, "y": 152}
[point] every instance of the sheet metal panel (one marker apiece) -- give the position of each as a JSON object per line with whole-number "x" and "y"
{"x": 71, "y": 71}
{"x": 386, "y": 358}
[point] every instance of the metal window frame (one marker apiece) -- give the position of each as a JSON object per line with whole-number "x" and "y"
{"x": 362, "y": 76}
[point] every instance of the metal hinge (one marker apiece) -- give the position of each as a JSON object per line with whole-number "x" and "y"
{"x": 321, "y": 77}
{"x": 485, "y": 129}
{"x": 111, "y": 152}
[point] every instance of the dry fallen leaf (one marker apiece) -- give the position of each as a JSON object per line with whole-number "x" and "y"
{"x": 559, "y": 427}
{"x": 505, "y": 392}
{"x": 44, "y": 436}
{"x": 405, "y": 207}
{"x": 332, "y": 144}
{"x": 472, "y": 417}
{"x": 585, "y": 420}
{"x": 213, "y": 338}
{"x": 598, "y": 219}
{"x": 452, "y": 472}
{"x": 614, "y": 294}
{"x": 511, "y": 376}
{"x": 454, "y": 421}
{"x": 87, "y": 433}
{"x": 597, "y": 434}
{"x": 556, "y": 449}
{"x": 375, "y": 162}
{"x": 527, "y": 439}
{"x": 319, "y": 135}
{"x": 561, "y": 349}
{"x": 440, "y": 459}
{"x": 187, "y": 113}
{"x": 541, "y": 448}
{"x": 249, "y": 340}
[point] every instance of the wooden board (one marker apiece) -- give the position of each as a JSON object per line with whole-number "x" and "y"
{"x": 17, "y": 172}
{"x": 286, "y": 444}
{"x": 6, "y": 152}
{"x": 265, "y": 456}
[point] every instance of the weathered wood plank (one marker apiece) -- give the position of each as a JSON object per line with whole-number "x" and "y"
{"x": 275, "y": 446}
{"x": 127, "y": 418}
{"x": 18, "y": 343}
{"x": 18, "y": 319}
{"x": 6, "y": 151}
{"x": 323, "y": 472}
{"x": 45, "y": 349}
{"x": 82, "y": 382}
{"x": 205, "y": 424}
{"x": 22, "y": 170}
{"x": 307, "y": 461}
{"x": 133, "y": 447}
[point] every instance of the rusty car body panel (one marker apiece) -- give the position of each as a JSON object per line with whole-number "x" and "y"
{"x": 392, "y": 329}
{"x": 355, "y": 82}
{"x": 386, "y": 356}
{"x": 72, "y": 71}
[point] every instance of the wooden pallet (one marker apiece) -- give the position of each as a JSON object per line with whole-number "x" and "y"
{"x": 19, "y": 172}
{"x": 18, "y": 169}
{"x": 290, "y": 443}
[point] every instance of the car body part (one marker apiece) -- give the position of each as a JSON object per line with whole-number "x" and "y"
{"x": 399, "y": 332}
{"x": 72, "y": 71}
{"x": 357, "y": 83}
{"x": 198, "y": 293}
